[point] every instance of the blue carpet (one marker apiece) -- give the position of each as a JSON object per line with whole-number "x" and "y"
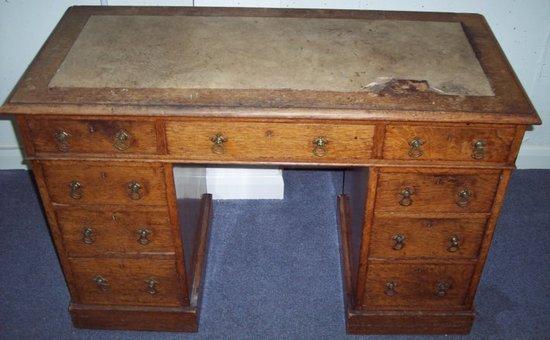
{"x": 273, "y": 267}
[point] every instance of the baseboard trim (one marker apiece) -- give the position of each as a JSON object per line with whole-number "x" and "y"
{"x": 244, "y": 183}
{"x": 534, "y": 157}
{"x": 11, "y": 157}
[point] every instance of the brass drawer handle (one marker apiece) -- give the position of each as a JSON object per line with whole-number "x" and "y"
{"x": 390, "y": 288}
{"x": 151, "y": 286}
{"x": 143, "y": 236}
{"x": 62, "y": 140}
{"x": 75, "y": 190}
{"x": 442, "y": 288}
{"x": 416, "y": 147}
{"x": 101, "y": 283}
{"x": 478, "y": 151}
{"x": 406, "y": 196}
{"x": 88, "y": 235}
{"x": 123, "y": 139}
{"x": 134, "y": 189}
{"x": 319, "y": 146}
{"x": 464, "y": 197}
{"x": 454, "y": 244}
{"x": 218, "y": 139}
{"x": 399, "y": 241}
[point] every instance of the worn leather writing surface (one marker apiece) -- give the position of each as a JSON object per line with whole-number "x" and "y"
{"x": 342, "y": 55}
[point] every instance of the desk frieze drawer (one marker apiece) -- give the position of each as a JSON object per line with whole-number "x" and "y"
{"x": 417, "y": 286}
{"x": 135, "y": 282}
{"x": 448, "y": 143}
{"x": 103, "y": 231}
{"x": 443, "y": 192}
{"x": 259, "y": 141}
{"x": 401, "y": 238}
{"x": 92, "y": 136}
{"x": 103, "y": 183}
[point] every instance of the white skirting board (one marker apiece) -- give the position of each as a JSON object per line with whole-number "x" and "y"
{"x": 534, "y": 157}
{"x": 11, "y": 157}
{"x": 244, "y": 183}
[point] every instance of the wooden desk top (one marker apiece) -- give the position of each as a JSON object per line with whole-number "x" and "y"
{"x": 273, "y": 63}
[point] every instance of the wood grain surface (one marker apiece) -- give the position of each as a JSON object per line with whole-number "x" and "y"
{"x": 350, "y": 143}
{"x": 115, "y": 231}
{"x": 104, "y": 182}
{"x": 437, "y": 192}
{"x": 426, "y": 238}
{"x": 93, "y": 136}
{"x": 449, "y": 142}
{"x": 416, "y": 286}
{"x": 126, "y": 282}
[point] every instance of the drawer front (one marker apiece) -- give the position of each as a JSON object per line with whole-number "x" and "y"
{"x": 253, "y": 141}
{"x": 417, "y": 286}
{"x": 93, "y": 232}
{"x": 430, "y": 193}
{"x": 104, "y": 183}
{"x": 134, "y": 282}
{"x": 448, "y": 143}
{"x": 93, "y": 136}
{"x": 423, "y": 238}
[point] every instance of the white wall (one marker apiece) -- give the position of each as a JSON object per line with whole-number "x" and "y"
{"x": 522, "y": 28}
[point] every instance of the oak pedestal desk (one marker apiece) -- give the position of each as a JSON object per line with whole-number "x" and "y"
{"x": 421, "y": 110}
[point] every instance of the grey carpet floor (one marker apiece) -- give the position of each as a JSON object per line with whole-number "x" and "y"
{"x": 273, "y": 267}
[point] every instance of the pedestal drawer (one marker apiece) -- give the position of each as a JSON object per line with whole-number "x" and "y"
{"x": 443, "y": 191}
{"x": 426, "y": 238}
{"x": 105, "y": 183}
{"x": 93, "y": 136}
{"x": 104, "y": 231}
{"x": 280, "y": 142}
{"x": 126, "y": 282}
{"x": 451, "y": 143}
{"x": 417, "y": 286}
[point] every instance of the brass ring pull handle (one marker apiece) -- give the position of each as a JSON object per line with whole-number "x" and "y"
{"x": 406, "y": 196}
{"x": 218, "y": 139}
{"x": 416, "y": 147}
{"x": 463, "y": 197}
{"x": 143, "y": 236}
{"x": 454, "y": 244}
{"x": 75, "y": 190}
{"x": 101, "y": 283}
{"x": 88, "y": 235}
{"x": 151, "y": 286}
{"x": 134, "y": 189}
{"x": 319, "y": 146}
{"x": 62, "y": 140}
{"x": 399, "y": 241}
{"x": 478, "y": 151}
{"x": 122, "y": 141}
{"x": 442, "y": 288}
{"x": 390, "y": 288}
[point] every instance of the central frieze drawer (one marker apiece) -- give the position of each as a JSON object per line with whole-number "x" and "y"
{"x": 104, "y": 231}
{"x": 446, "y": 191}
{"x": 448, "y": 143}
{"x": 407, "y": 286}
{"x": 278, "y": 142}
{"x": 102, "y": 183}
{"x": 126, "y": 282}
